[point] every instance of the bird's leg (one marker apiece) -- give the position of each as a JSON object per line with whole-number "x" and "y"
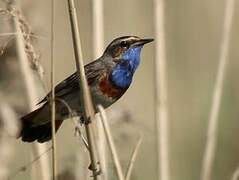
{"x": 96, "y": 171}
{"x": 79, "y": 134}
{"x": 87, "y": 120}
{"x": 82, "y": 120}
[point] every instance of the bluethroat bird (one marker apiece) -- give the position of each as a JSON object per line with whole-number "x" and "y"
{"x": 108, "y": 78}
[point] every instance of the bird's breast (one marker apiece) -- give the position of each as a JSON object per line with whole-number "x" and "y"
{"x": 105, "y": 93}
{"x": 108, "y": 89}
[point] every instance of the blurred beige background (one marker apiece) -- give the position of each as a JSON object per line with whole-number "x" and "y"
{"x": 193, "y": 34}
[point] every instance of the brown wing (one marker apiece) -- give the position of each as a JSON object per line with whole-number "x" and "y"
{"x": 71, "y": 83}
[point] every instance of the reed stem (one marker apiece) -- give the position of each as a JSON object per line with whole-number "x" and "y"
{"x": 85, "y": 97}
{"x": 31, "y": 91}
{"x": 133, "y": 158}
{"x": 109, "y": 138}
{"x": 161, "y": 95}
{"x": 98, "y": 49}
{"x": 53, "y": 104}
{"x": 211, "y": 141}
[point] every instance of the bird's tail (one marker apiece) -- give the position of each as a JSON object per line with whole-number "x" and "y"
{"x": 33, "y": 130}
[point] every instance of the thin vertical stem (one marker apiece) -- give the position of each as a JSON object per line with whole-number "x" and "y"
{"x": 31, "y": 90}
{"x": 9, "y": 127}
{"x": 132, "y": 160}
{"x": 111, "y": 143}
{"x": 161, "y": 102}
{"x": 53, "y": 104}
{"x": 211, "y": 143}
{"x": 235, "y": 175}
{"x": 85, "y": 96}
{"x": 98, "y": 48}
{"x": 98, "y": 28}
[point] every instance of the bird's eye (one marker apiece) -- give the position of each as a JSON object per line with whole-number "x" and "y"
{"x": 124, "y": 44}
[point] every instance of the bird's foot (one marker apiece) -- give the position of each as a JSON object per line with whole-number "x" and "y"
{"x": 96, "y": 171}
{"x": 87, "y": 120}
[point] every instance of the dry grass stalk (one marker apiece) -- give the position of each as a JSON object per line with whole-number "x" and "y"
{"x": 53, "y": 105}
{"x": 27, "y": 34}
{"x": 235, "y": 175}
{"x": 102, "y": 152}
{"x": 5, "y": 45}
{"x": 133, "y": 158}
{"x": 9, "y": 127}
{"x": 30, "y": 86}
{"x": 161, "y": 96}
{"x": 28, "y": 165}
{"x": 98, "y": 28}
{"x": 98, "y": 48}
{"x": 111, "y": 143}
{"x": 84, "y": 93}
{"x": 210, "y": 147}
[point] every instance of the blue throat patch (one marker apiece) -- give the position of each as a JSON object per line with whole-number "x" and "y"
{"x": 122, "y": 74}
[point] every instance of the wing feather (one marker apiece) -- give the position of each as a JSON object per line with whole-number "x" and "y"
{"x": 71, "y": 83}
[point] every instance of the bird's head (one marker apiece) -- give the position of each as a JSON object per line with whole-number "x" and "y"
{"x": 125, "y": 53}
{"x": 126, "y": 48}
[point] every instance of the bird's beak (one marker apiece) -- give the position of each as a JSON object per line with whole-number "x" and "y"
{"x": 142, "y": 42}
